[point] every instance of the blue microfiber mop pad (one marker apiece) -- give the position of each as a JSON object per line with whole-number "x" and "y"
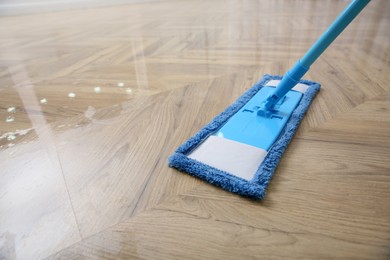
{"x": 256, "y": 187}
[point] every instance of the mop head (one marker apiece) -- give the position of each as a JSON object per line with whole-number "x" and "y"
{"x": 237, "y": 167}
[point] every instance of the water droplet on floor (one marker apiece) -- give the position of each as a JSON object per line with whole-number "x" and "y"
{"x": 11, "y": 110}
{"x": 11, "y": 137}
{"x": 9, "y": 119}
{"x": 129, "y": 90}
{"x": 71, "y": 94}
{"x": 121, "y": 84}
{"x": 43, "y": 101}
{"x": 97, "y": 89}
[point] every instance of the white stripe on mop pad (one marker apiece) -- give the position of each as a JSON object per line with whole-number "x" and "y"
{"x": 300, "y": 87}
{"x": 236, "y": 158}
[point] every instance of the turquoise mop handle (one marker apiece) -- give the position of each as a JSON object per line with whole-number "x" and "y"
{"x": 292, "y": 77}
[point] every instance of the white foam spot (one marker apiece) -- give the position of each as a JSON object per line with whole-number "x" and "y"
{"x": 16, "y": 133}
{"x": 11, "y": 110}
{"x": 71, "y": 95}
{"x": 9, "y": 119}
{"x": 43, "y": 101}
{"x": 121, "y": 84}
{"x": 11, "y": 137}
{"x": 97, "y": 89}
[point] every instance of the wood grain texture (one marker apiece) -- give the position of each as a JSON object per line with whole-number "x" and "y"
{"x": 94, "y": 100}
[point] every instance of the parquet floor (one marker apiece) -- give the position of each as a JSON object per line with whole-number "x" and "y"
{"x": 94, "y": 100}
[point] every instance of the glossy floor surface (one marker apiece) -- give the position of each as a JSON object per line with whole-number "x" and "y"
{"x": 94, "y": 100}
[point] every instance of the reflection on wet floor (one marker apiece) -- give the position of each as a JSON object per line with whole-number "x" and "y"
{"x": 12, "y": 111}
{"x": 93, "y": 101}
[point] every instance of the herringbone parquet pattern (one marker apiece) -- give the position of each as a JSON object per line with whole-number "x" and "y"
{"x": 93, "y": 101}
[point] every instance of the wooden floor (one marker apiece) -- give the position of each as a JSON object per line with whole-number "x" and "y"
{"x": 94, "y": 100}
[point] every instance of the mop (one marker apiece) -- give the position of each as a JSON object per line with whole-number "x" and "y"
{"x": 240, "y": 149}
